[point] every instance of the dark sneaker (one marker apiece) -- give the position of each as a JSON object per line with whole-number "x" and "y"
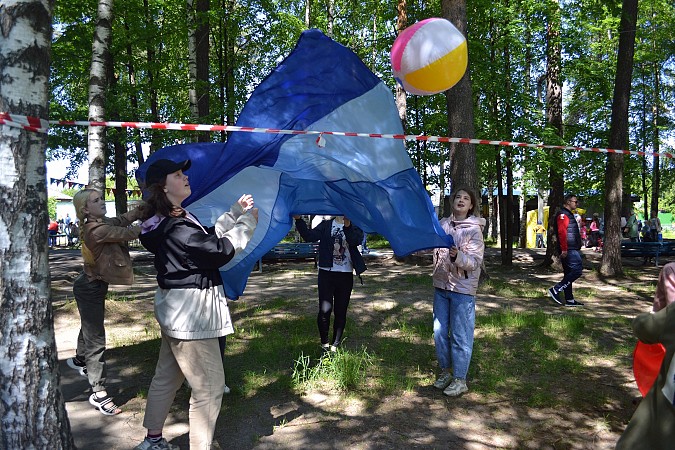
{"x": 443, "y": 381}
{"x": 573, "y": 303}
{"x": 77, "y": 364}
{"x": 554, "y": 295}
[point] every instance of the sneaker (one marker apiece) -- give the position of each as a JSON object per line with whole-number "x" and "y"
{"x": 325, "y": 349}
{"x": 554, "y": 295}
{"x": 77, "y": 364}
{"x": 227, "y": 390}
{"x": 573, "y": 303}
{"x": 161, "y": 445}
{"x": 456, "y": 388}
{"x": 443, "y": 381}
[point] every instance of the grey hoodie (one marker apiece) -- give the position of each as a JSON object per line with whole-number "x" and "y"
{"x": 461, "y": 274}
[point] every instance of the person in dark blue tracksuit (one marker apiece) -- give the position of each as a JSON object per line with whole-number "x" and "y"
{"x": 569, "y": 244}
{"x": 338, "y": 257}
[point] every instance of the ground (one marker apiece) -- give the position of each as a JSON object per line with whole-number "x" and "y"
{"x": 419, "y": 418}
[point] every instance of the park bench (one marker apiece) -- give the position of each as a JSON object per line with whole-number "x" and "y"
{"x": 291, "y": 250}
{"x": 648, "y": 249}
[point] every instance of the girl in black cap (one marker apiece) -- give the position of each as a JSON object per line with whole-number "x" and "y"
{"x": 190, "y": 304}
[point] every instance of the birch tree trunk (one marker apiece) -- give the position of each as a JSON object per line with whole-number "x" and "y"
{"x": 98, "y": 83}
{"x": 401, "y": 97}
{"x": 32, "y": 409}
{"x": 656, "y": 143}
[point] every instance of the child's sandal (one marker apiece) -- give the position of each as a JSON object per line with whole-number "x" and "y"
{"x": 105, "y": 405}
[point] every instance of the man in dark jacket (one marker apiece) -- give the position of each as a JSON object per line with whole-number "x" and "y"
{"x": 569, "y": 244}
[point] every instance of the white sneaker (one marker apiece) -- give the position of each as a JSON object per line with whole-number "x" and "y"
{"x": 443, "y": 381}
{"x": 456, "y": 388}
{"x": 161, "y": 445}
{"x": 227, "y": 390}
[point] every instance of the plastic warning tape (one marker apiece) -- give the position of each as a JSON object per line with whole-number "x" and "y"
{"x": 40, "y": 125}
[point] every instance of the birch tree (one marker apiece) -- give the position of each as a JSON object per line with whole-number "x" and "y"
{"x": 31, "y": 405}
{"x": 98, "y": 83}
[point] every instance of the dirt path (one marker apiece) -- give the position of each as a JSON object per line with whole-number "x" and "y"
{"x": 419, "y": 418}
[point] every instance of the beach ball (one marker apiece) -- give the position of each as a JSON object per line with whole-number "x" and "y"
{"x": 429, "y": 57}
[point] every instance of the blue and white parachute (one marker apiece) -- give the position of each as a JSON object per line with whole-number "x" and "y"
{"x": 320, "y": 86}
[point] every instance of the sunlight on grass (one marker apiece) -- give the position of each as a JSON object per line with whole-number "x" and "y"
{"x": 511, "y": 288}
{"x": 344, "y": 369}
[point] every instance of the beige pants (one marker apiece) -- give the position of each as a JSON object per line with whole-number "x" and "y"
{"x": 199, "y": 362}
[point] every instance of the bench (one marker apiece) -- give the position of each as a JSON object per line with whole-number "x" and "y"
{"x": 648, "y": 249}
{"x": 291, "y": 250}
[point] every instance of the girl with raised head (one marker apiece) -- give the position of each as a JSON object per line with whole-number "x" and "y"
{"x": 455, "y": 278}
{"x": 190, "y": 303}
{"x": 106, "y": 261}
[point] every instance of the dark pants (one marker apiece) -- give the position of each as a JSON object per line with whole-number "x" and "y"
{"x": 335, "y": 289}
{"x": 52, "y": 238}
{"x": 90, "y": 298}
{"x": 572, "y": 268}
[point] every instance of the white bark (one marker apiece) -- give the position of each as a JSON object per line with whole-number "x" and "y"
{"x": 98, "y": 83}
{"x": 192, "y": 56}
{"x": 31, "y": 405}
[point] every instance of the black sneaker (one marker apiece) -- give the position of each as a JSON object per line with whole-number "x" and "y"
{"x": 77, "y": 364}
{"x": 554, "y": 295}
{"x": 573, "y": 303}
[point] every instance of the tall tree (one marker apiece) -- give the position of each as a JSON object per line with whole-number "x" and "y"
{"x": 618, "y": 138}
{"x": 656, "y": 142}
{"x": 198, "y": 55}
{"x": 32, "y": 409}
{"x": 554, "y": 120}
{"x": 98, "y": 84}
{"x": 463, "y": 168}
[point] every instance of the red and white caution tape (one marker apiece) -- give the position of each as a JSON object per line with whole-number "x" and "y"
{"x": 39, "y": 125}
{"x": 27, "y": 123}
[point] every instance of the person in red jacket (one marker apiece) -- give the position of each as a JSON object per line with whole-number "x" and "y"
{"x": 569, "y": 244}
{"x": 53, "y": 229}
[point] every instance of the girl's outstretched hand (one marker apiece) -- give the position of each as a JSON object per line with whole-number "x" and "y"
{"x": 246, "y": 201}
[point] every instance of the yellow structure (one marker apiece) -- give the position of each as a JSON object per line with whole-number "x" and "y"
{"x": 531, "y": 236}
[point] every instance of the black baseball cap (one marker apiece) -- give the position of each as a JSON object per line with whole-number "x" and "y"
{"x": 163, "y": 167}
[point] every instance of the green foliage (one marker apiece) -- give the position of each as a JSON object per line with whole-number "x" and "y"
{"x": 508, "y": 67}
{"x": 51, "y": 207}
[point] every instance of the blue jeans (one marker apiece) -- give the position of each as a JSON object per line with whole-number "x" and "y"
{"x": 572, "y": 268}
{"x": 454, "y": 322}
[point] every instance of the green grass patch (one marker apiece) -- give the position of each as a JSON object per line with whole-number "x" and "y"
{"x": 525, "y": 357}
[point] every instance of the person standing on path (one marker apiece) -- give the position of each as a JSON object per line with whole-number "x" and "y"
{"x": 632, "y": 226}
{"x": 655, "y": 227}
{"x": 455, "y": 278}
{"x": 106, "y": 261}
{"x": 190, "y": 303}
{"x": 569, "y": 245}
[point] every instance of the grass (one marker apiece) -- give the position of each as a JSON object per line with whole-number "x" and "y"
{"x": 529, "y": 357}
{"x": 519, "y": 355}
